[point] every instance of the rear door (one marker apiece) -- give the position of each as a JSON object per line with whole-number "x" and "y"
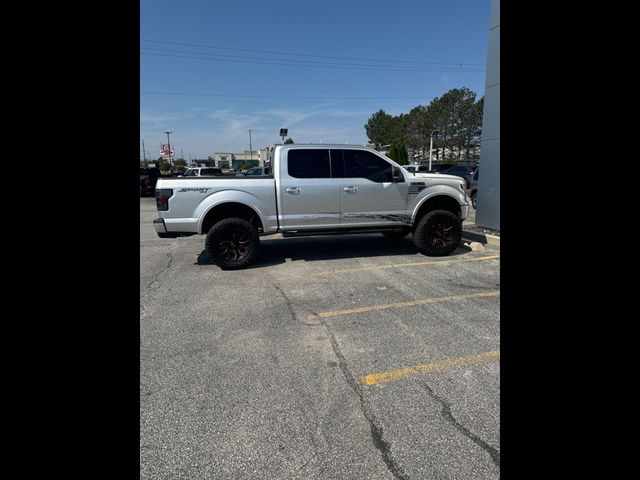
{"x": 368, "y": 196}
{"x": 309, "y": 197}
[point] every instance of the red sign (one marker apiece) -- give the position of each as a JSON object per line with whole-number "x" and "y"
{"x": 165, "y": 151}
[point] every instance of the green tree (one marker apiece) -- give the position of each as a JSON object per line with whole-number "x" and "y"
{"x": 181, "y": 162}
{"x": 398, "y": 152}
{"x": 164, "y": 165}
{"x": 379, "y": 128}
{"x": 288, "y": 141}
{"x": 456, "y": 115}
{"x": 247, "y": 165}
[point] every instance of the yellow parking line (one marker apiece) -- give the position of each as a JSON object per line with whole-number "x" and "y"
{"x": 397, "y": 265}
{"x": 370, "y": 308}
{"x": 383, "y": 377}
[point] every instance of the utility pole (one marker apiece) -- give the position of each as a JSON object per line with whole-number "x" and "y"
{"x": 144, "y": 153}
{"x": 250, "y": 148}
{"x": 433, "y": 132}
{"x": 169, "y": 145}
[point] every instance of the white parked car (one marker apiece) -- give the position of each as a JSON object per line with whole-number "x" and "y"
{"x": 256, "y": 172}
{"x": 202, "y": 172}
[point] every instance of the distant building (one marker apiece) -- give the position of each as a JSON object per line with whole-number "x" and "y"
{"x": 234, "y": 160}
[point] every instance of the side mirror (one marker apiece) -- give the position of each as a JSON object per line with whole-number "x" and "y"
{"x": 179, "y": 176}
{"x": 397, "y": 175}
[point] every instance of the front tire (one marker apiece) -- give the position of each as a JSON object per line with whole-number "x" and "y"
{"x": 438, "y": 233}
{"x": 232, "y": 243}
{"x": 474, "y": 197}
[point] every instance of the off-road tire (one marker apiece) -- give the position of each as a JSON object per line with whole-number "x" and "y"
{"x": 438, "y": 233}
{"x": 232, "y": 243}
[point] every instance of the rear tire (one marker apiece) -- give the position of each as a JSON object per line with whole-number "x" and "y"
{"x": 438, "y": 233}
{"x": 232, "y": 243}
{"x": 396, "y": 234}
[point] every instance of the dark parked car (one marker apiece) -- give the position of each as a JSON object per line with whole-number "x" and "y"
{"x": 473, "y": 189}
{"x": 464, "y": 171}
{"x": 424, "y": 168}
{"x": 148, "y": 179}
{"x": 440, "y": 168}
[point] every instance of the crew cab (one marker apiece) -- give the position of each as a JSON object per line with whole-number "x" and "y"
{"x": 314, "y": 190}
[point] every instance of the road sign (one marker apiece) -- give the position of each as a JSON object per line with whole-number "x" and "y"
{"x": 166, "y": 151}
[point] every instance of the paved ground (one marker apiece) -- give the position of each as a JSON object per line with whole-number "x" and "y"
{"x": 332, "y": 358}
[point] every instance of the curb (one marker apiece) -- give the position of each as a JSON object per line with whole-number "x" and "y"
{"x": 481, "y": 238}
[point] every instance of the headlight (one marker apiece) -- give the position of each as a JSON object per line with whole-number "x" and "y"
{"x": 463, "y": 188}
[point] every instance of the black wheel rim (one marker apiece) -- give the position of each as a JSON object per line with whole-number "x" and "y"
{"x": 442, "y": 234}
{"x": 233, "y": 244}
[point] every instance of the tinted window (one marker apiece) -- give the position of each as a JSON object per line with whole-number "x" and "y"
{"x": 363, "y": 164}
{"x": 190, "y": 173}
{"x": 308, "y": 163}
{"x": 253, "y": 171}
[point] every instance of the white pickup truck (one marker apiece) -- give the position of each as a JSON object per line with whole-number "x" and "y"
{"x": 314, "y": 190}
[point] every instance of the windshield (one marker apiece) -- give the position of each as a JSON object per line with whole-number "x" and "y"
{"x": 190, "y": 173}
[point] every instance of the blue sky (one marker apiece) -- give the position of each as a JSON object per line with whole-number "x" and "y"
{"x": 212, "y": 70}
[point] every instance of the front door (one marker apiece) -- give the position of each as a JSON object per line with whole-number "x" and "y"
{"x": 368, "y": 195}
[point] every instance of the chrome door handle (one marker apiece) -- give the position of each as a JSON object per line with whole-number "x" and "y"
{"x": 292, "y": 190}
{"x": 351, "y": 189}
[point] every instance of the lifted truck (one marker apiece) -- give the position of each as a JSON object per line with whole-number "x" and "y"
{"x": 314, "y": 190}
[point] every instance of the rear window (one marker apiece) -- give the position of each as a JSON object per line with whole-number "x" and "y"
{"x": 308, "y": 163}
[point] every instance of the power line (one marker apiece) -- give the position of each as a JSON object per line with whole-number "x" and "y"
{"x": 286, "y": 97}
{"x": 299, "y": 64}
{"x": 311, "y": 55}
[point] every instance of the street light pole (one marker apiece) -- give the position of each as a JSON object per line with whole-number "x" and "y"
{"x": 433, "y": 132}
{"x": 250, "y": 148}
{"x": 169, "y": 145}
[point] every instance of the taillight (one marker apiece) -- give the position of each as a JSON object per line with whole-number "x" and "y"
{"x": 162, "y": 198}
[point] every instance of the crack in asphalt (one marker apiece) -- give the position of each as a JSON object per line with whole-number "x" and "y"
{"x": 446, "y": 413}
{"x": 156, "y": 279}
{"x": 287, "y": 301}
{"x": 376, "y": 431}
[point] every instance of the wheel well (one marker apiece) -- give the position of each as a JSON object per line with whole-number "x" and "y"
{"x": 229, "y": 210}
{"x": 440, "y": 202}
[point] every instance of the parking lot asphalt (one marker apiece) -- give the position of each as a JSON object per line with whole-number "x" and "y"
{"x": 331, "y": 357}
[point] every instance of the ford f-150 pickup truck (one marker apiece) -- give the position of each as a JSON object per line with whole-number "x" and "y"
{"x": 314, "y": 190}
